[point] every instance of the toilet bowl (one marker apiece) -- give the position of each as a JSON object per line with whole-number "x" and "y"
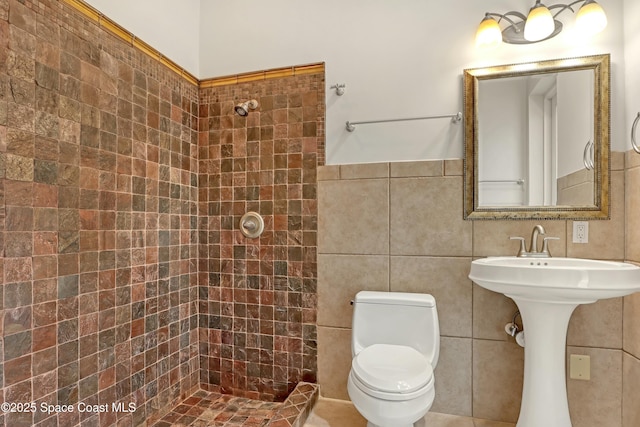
{"x": 391, "y": 385}
{"x": 395, "y": 347}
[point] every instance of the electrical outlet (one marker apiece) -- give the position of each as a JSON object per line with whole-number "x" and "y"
{"x": 580, "y": 232}
{"x": 579, "y": 367}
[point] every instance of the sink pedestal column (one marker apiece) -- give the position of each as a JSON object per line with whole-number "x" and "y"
{"x": 544, "y": 394}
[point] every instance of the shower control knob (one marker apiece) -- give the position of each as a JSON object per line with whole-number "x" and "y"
{"x": 251, "y": 225}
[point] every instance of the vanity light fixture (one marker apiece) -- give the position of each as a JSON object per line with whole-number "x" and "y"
{"x": 540, "y": 24}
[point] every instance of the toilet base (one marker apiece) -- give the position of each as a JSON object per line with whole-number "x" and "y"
{"x": 389, "y": 413}
{"x": 420, "y": 423}
{"x": 417, "y": 424}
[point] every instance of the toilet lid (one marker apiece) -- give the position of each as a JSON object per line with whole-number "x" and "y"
{"x": 392, "y": 368}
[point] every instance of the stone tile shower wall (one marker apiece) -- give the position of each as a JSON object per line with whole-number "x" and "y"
{"x": 258, "y": 296}
{"x": 98, "y": 218}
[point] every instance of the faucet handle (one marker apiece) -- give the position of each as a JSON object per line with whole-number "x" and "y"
{"x": 545, "y": 244}
{"x": 523, "y": 249}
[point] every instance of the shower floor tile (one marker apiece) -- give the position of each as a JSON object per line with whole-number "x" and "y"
{"x": 212, "y": 409}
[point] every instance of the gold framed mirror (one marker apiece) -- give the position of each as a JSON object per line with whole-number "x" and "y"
{"x": 537, "y": 140}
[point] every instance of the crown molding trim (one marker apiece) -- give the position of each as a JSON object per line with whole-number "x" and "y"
{"x": 114, "y": 28}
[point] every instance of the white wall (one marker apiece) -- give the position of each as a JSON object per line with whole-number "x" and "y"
{"x": 171, "y": 27}
{"x": 398, "y": 59}
{"x": 632, "y": 64}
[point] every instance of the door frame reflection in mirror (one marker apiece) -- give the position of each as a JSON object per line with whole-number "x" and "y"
{"x": 600, "y": 64}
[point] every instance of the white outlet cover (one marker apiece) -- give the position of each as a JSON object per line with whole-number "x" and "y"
{"x": 580, "y": 232}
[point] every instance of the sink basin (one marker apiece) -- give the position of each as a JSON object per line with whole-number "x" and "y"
{"x": 547, "y": 291}
{"x": 556, "y": 279}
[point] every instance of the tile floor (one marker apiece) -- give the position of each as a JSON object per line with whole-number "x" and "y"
{"x": 212, "y": 409}
{"x": 205, "y": 408}
{"x": 339, "y": 413}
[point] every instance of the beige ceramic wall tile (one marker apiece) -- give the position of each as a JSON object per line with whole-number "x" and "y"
{"x": 447, "y": 280}
{"x": 435, "y": 419}
{"x": 577, "y": 188}
{"x": 498, "y": 369}
{"x": 632, "y": 159}
{"x": 364, "y": 170}
{"x": 597, "y": 402}
{"x": 631, "y": 317}
{"x": 340, "y": 277}
{"x": 326, "y": 173}
{"x": 335, "y": 413}
{"x": 581, "y": 194}
{"x": 632, "y": 213}
{"x": 592, "y": 325}
{"x": 422, "y": 169}
{"x": 453, "y": 167}
{"x": 631, "y": 325}
{"x": 334, "y": 361}
{"x": 491, "y": 238}
{"x": 491, "y": 312}
{"x": 606, "y": 237}
{"x": 453, "y": 377}
{"x": 630, "y": 391}
{"x": 489, "y": 423}
{"x": 426, "y": 217}
{"x": 617, "y": 160}
{"x": 597, "y": 325}
{"x": 353, "y": 217}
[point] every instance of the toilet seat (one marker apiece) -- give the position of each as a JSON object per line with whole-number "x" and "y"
{"x": 392, "y": 372}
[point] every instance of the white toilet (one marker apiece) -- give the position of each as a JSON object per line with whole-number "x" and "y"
{"x": 395, "y": 346}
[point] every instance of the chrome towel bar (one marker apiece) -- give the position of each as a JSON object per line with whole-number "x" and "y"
{"x": 503, "y": 181}
{"x": 455, "y": 118}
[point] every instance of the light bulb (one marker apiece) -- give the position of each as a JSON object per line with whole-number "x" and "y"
{"x": 488, "y": 34}
{"x": 540, "y": 23}
{"x": 591, "y": 18}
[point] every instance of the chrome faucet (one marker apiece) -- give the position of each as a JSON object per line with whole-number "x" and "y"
{"x": 533, "y": 245}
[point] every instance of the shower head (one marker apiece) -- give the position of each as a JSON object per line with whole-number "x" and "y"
{"x": 243, "y": 108}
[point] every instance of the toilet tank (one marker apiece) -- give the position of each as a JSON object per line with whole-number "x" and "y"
{"x": 398, "y": 318}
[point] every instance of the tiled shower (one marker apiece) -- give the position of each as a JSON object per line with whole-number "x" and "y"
{"x": 258, "y": 296}
{"x": 99, "y": 221}
{"x": 122, "y": 182}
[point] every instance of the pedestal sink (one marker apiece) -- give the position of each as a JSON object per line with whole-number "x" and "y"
{"x": 547, "y": 290}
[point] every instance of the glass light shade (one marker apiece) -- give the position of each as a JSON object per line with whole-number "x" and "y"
{"x": 540, "y": 23}
{"x": 488, "y": 33}
{"x": 591, "y": 18}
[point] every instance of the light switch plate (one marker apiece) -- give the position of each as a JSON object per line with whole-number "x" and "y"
{"x": 579, "y": 367}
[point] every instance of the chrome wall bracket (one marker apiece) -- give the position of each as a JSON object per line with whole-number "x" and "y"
{"x": 339, "y": 88}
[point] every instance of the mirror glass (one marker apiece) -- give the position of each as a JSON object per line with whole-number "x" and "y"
{"x": 537, "y": 140}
